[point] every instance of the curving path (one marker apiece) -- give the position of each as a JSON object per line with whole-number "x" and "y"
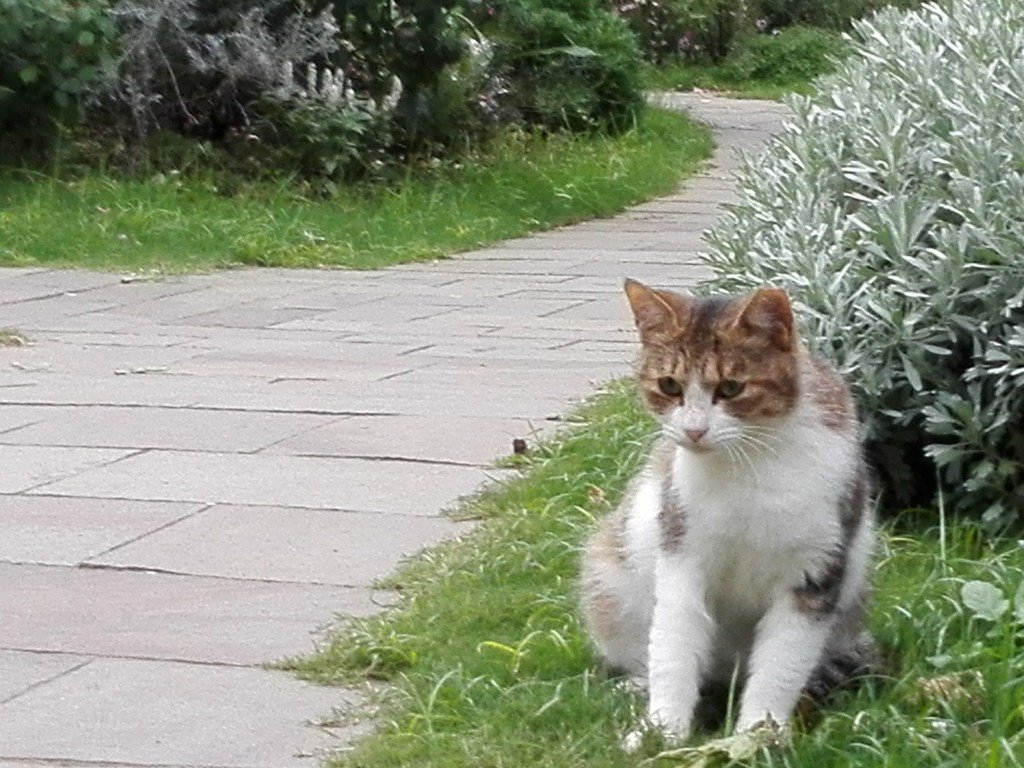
{"x": 196, "y": 473}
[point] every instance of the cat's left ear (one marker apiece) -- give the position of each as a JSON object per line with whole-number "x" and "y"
{"x": 767, "y": 313}
{"x": 657, "y": 313}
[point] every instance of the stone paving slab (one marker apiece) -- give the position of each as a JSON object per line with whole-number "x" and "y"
{"x": 81, "y": 339}
{"x": 337, "y": 358}
{"x": 330, "y": 397}
{"x": 29, "y": 466}
{"x": 167, "y": 428}
{"x": 153, "y": 389}
{"x": 165, "y": 713}
{"x": 93, "y": 612}
{"x": 424, "y": 438}
{"x": 284, "y": 481}
{"x": 16, "y": 417}
{"x": 41, "y": 284}
{"x": 61, "y": 531}
{"x": 44, "y": 317}
{"x": 350, "y": 549}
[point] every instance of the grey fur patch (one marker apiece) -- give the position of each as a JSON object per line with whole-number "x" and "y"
{"x": 671, "y": 519}
{"x": 840, "y": 668}
{"x": 819, "y": 594}
{"x": 853, "y": 504}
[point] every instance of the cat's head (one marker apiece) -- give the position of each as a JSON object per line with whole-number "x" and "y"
{"x": 717, "y": 372}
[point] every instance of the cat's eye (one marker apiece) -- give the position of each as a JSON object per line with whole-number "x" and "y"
{"x": 669, "y": 386}
{"x": 728, "y": 389}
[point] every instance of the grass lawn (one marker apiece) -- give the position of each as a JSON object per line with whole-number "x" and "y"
{"x": 759, "y": 67}
{"x": 489, "y": 666}
{"x": 174, "y": 224}
{"x": 707, "y": 77}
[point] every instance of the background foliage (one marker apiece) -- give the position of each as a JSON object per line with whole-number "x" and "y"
{"x": 893, "y": 209}
{"x": 329, "y": 90}
{"x": 565, "y": 63}
{"x": 51, "y": 54}
{"x": 784, "y": 38}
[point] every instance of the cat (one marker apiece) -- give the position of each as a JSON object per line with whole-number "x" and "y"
{"x": 746, "y": 539}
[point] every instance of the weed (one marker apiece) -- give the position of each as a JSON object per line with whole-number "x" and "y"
{"x": 12, "y": 338}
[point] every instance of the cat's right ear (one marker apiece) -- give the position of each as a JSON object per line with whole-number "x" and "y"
{"x": 657, "y": 313}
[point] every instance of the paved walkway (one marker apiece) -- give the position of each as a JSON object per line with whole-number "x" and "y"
{"x": 196, "y": 473}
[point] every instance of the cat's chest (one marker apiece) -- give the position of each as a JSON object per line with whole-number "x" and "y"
{"x": 770, "y": 507}
{"x": 753, "y": 536}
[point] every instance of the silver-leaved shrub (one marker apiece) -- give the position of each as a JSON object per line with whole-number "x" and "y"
{"x": 892, "y": 208}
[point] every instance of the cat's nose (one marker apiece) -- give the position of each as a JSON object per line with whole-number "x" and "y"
{"x": 695, "y": 434}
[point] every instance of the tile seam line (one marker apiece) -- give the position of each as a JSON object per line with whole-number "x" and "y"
{"x": 131, "y": 453}
{"x": 192, "y": 407}
{"x": 260, "y": 452}
{"x": 229, "y": 504}
{"x": 64, "y": 762}
{"x": 93, "y": 657}
{"x": 158, "y": 529}
{"x": 47, "y": 681}
{"x": 89, "y": 566}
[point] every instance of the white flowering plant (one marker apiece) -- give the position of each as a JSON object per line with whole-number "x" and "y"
{"x": 316, "y": 124}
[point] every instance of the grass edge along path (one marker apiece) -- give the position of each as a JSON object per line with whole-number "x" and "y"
{"x": 176, "y": 224}
{"x": 487, "y": 664}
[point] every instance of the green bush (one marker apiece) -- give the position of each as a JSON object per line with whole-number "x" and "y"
{"x": 893, "y": 209}
{"x": 794, "y": 54}
{"x": 51, "y": 53}
{"x": 566, "y": 64}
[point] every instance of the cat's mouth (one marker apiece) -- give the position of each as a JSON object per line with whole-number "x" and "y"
{"x": 701, "y": 447}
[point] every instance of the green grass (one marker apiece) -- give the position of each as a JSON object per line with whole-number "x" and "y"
{"x": 677, "y": 76}
{"x": 759, "y": 66}
{"x": 176, "y": 224}
{"x": 489, "y": 666}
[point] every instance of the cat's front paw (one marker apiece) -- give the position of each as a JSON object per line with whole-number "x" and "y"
{"x": 634, "y": 684}
{"x": 766, "y": 730}
{"x": 665, "y": 738}
{"x": 633, "y": 741}
{"x": 760, "y": 722}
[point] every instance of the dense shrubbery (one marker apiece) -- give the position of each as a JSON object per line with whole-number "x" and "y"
{"x": 690, "y": 29}
{"x": 198, "y": 68}
{"x": 794, "y": 54}
{"x": 566, "y": 64}
{"x": 51, "y": 54}
{"x": 325, "y": 89}
{"x": 705, "y": 31}
{"x": 893, "y": 209}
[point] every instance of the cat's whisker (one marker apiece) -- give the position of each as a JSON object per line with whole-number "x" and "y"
{"x": 748, "y": 439}
{"x": 739, "y": 436}
{"x": 766, "y": 433}
{"x": 735, "y": 449}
